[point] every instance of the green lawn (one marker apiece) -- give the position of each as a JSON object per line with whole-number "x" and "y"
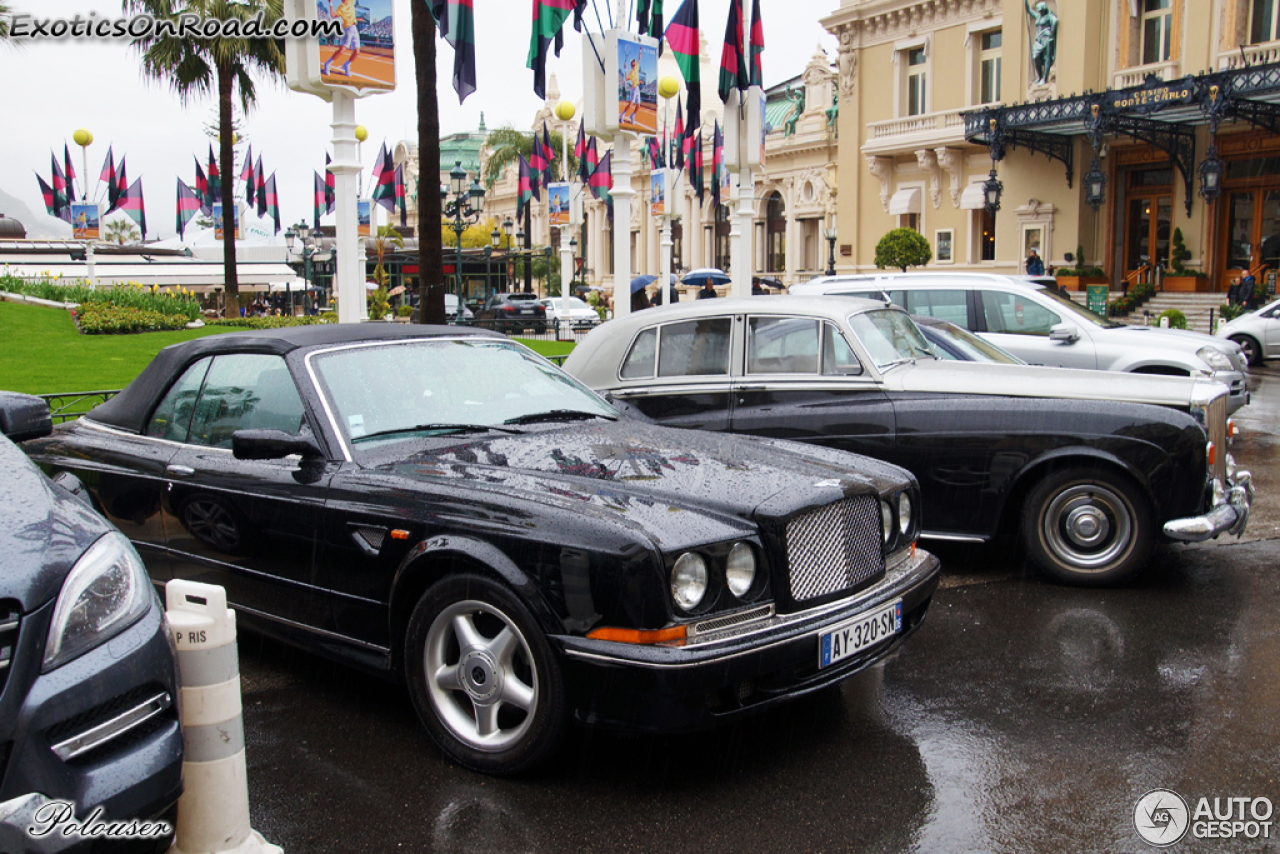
{"x": 42, "y": 353}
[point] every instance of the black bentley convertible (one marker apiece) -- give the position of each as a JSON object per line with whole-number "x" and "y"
{"x": 445, "y": 505}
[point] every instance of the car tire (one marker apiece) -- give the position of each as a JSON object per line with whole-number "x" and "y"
{"x": 1252, "y": 351}
{"x": 483, "y": 678}
{"x": 1088, "y": 526}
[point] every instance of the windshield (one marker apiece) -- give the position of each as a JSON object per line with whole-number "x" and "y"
{"x": 890, "y": 337}
{"x": 410, "y": 389}
{"x": 978, "y": 349}
{"x": 1081, "y": 313}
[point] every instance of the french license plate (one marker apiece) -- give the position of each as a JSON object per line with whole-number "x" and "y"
{"x": 858, "y": 633}
{"x": 526, "y": 311}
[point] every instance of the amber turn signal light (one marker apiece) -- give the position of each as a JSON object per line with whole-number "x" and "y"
{"x": 638, "y": 635}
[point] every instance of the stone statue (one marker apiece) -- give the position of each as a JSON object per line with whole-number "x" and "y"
{"x": 797, "y": 107}
{"x": 1044, "y": 49}
{"x": 833, "y": 112}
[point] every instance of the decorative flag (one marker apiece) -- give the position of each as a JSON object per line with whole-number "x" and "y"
{"x": 401, "y": 193}
{"x": 587, "y": 161}
{"x": 189, "y": 202}
{"x": 330, "y": 187}
{"x": 680, "y": 142}
{"x": 655, "y": 153}
{"x": 246, "y": 175}
{"x": 650, "y": 26}
{"x": 260, "y": 178}
{"x": 384, "y": 190}
{"x": 202, "y": 190}
{"x": 757, "y": 44}
{"x": 580, "y": 147}
{"x": 272, "y": 201}
{"x": 455, "y": 19}
{"x": 538, "y": 165}
{"x": 61, "y": 192}
{"x": 733, "y": 68}
{"x": 549, "y": 154}
{"x": 131, "y": 203}
{"x": 108, "y": 177}
{"x": 50, "y": 199}
{"x": 525, "y": 189}
{"x": 683, "y": 38}
{"x": 317, "y": 198}
{"x": 717, "y": 159}
{"x": 601, "y": 183}
{"x": 379, "y": 163}
{"x": 215, "y": 179}
{"x": 548, "y": 17}
{"x": 695, "y": 167}
{"x": 71, "y": 176}
{"x": 121, "y": 188}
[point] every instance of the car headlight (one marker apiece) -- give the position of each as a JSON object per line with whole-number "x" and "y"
{"x": 1215, "y": 358}
{"x": 104, "y": 593}
{"x": 886, "y": 520}
{"x": 904, "y": 512}
{"x": 689, "y": 580}
{"x": 740, "y": 569}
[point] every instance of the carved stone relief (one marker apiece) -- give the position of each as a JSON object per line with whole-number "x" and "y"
{"x": 951, "y": 161}
{"x": 882, "y": 170}
{"x": 928, "y": 162}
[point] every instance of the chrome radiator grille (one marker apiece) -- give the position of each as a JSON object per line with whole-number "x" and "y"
{"x": 1217, "y": 430}
{"x": 834, "y": 548}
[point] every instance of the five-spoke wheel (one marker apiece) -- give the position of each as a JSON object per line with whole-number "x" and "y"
{"x": 482, "y": 675}
{"x": 1252, "y": 351}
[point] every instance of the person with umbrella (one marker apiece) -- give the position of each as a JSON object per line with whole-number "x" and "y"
{"x": 708, "y": 290}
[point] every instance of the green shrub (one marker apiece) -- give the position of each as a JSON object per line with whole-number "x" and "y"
{"x": 1177, "y": 320}
{"x": 404, "y": 310}
{"x": 179, "y": 302}
{"x": 903, "y": 248}
{"x": 278, "y": 322}
{"x": 1230, "y": 312}
{"x": 104, "y": 318}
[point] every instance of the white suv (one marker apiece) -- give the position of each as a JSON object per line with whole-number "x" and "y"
{"x": 1042, "y": 327}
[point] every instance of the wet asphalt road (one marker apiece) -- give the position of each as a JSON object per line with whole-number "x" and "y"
{"x": 1023, "y": 716}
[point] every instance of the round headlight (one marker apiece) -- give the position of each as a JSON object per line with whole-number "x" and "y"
{"x": 740, "y": 570}
{"x": 886, "y": 520}
{"x": 689, "y": 580}
{"x": 904, "y": 512}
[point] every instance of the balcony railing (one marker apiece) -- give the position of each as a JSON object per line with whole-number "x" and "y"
{"x": 1251, "y": 54}
{"x": 943, "y": 126}
{"x": 1136, "y": 76}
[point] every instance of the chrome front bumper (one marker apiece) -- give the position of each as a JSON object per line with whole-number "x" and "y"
{"x": 1230, "y": 513}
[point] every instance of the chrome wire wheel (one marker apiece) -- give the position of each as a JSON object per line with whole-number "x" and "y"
{"x": 480, "y": 675}
{"x": 1088, "y": 526}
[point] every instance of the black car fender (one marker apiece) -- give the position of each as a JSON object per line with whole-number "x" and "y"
{"x": 1022, "y": 481}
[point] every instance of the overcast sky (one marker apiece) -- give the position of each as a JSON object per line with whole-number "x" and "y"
{"x": 51, "y": 88}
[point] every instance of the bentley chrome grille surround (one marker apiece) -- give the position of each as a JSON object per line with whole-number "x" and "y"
{"x": 834, "y": 548}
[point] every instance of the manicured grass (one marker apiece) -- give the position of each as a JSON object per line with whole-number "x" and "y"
{"x": 42, "y": 353}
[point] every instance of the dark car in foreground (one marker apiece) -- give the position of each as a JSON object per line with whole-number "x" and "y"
{"x": 1090, "y": 482}
{"x": 443, "y": 505}
{"x": 513, "y": 312}
{"x": 88, "y": 674}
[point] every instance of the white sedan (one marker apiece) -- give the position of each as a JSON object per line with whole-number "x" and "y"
{"x": 1257, "y": 333}
{"x": 577, "y": 312}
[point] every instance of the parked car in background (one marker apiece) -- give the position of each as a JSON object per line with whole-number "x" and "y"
{"x": 1090, "y": 483}
{"x": 1042, "y": 327}
{"x": 443, "y": 505}
{"x": 451, "y": 312}
{"x": 88, "y": 673}
{"x": 1257, "y": 333}
{"x": 952, "y": 342}
{"x": 577, "y": 312}
{"x": 513, "y": 312}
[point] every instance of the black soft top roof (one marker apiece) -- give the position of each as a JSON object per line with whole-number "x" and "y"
{"x": 129, "y": 409}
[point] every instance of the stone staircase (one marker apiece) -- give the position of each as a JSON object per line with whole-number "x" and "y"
{"x": 1196, "y": 307}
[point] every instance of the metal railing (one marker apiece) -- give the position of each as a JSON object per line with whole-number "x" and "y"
{"x": 72, "y": 404}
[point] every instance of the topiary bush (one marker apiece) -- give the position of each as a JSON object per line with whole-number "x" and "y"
{"x": 903, "y": 248}
{"x": 1177, "y": 320}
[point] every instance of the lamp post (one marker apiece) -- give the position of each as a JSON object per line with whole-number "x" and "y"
{"x": 830, "y": 235}
{"x": 991, "y": 190}
{"x": 495, "y": 240}
{"x": 84, "y": 139}
{"x": 307, "y": 248}
{"x": 465, "y": 208}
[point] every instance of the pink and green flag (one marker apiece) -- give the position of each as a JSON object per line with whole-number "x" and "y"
{"x": 548, "y": 18}
{"x": 526, "y": 189}
{"x": 131, "y": 203}
{"x": 189, "y": 204}
{"x": 456, "y": 21}
{"x": 757, "y": 45}
{"x": 733, "y": 67}
{"x": 683, "y": 37}
{"x": 273, "y": 201}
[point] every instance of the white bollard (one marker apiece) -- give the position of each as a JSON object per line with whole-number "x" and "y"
{"x": 213, "y": 812}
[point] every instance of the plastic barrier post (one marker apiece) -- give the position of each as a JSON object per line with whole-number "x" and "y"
{"x": 213, "y": 812}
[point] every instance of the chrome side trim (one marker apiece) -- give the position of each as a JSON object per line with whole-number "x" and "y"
{"x": 313, "y": 630}
{"x": 951, "y": 538}
{"x": 95, "y": 737}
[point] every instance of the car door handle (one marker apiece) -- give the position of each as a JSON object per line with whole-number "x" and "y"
{"x": 180, "y": 471}
{"x": 752, "y": 387}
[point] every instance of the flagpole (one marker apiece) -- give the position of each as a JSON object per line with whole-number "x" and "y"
{"x": 564, "y": 112}
{"x": 346, "y": 170}
{"x": 668, "y": 87}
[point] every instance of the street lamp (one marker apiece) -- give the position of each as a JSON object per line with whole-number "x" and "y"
{"x": 991, "y": 190}
{"x": 465, "y": 208}
{"x": 308, "y": 247}
{"x": 830, "y": 235}
{"x": 1211, "y": 174}
{"x": 1095, "y": 185}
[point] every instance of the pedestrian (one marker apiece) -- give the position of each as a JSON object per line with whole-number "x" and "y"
{"x": 1233, "y": 292}
{"x": 1248, "y": 296}
{"x": 639, "y": 300}
{"x": 708, "y": 290}
{"x": 1035, "y": 266}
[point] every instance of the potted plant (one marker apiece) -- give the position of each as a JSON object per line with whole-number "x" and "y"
{"x": 1179, "y": 277}
{"x": 1079, "y": 278}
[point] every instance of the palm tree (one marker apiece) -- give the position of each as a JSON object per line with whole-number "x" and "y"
{"x": 386, "y": 237}
{"x": 430, "y": 250}
{"x": 121, "y": 231}
{"x": 196, "y": 67}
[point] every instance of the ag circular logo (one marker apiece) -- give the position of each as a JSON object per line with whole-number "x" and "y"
{"x": 1161, "y": 817}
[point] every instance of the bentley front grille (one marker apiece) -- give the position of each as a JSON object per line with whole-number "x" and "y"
{"x": 834, "y": 548}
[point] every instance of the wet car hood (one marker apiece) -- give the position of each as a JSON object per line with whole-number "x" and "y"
{"x": 43, "y": 531}
{"x": 628, "y": 465}
{"x": 927, "y": 375}
{"x": 1181, "y": 338}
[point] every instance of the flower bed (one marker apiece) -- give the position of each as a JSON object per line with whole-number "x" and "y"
{"x": 115, "y": 309}
{"x": 267, "y": 322}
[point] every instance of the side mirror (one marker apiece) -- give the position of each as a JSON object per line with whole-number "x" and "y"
{"x": 24, "y": 416}
{"x": 273, "y": 445}
{"x": 1064, "y": 333}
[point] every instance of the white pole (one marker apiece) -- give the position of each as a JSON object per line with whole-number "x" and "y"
{"x": 346, "y": 170}
{"x": 664, "y": 244}
{"x": 622, "y": 194}
{"x": 566, "y": 254}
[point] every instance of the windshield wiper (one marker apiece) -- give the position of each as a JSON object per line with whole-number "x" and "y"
{"x": 444, "y": 428}
{"x": 558, "y": 415}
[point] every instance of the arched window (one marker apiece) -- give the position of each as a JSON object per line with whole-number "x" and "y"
{"x": 775, "y": 225}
